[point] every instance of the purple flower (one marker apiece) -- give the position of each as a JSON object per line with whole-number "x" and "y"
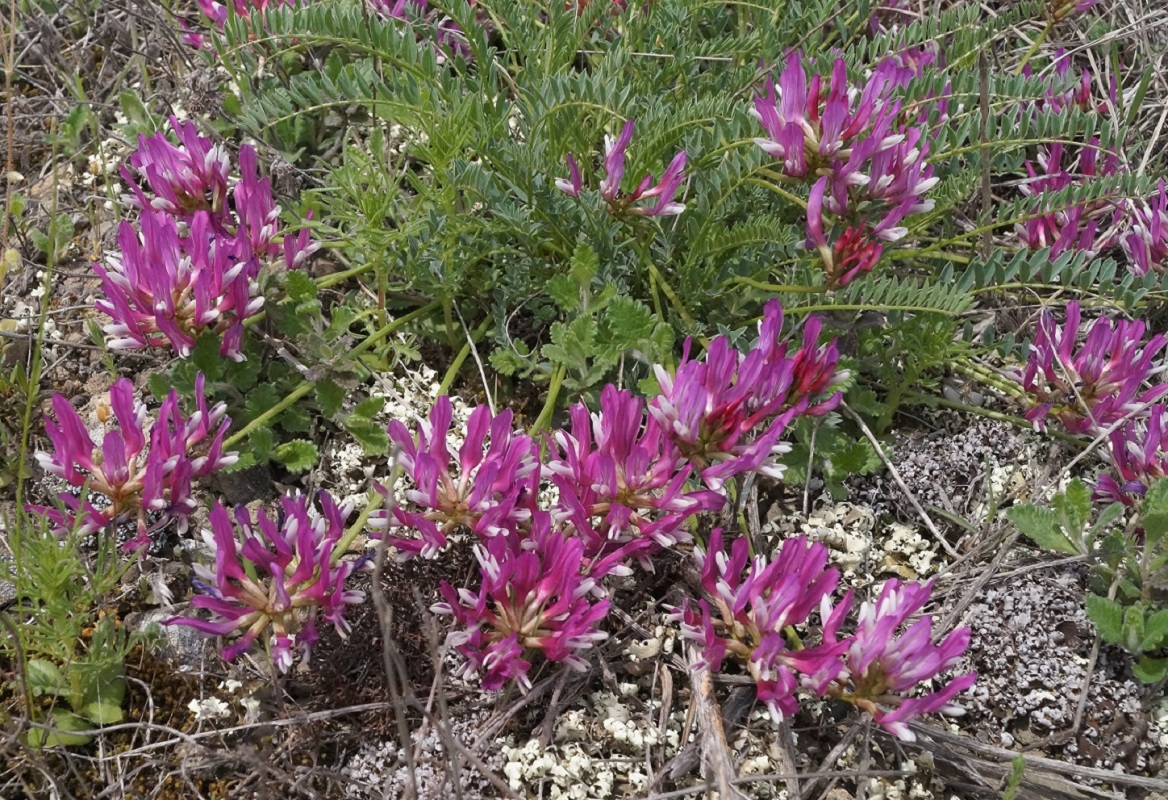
{"x": 810, "y": 132}
{"x": 184, "y": 179}
{"x": 1146, "y": 244}
{"x": 276, "y": 574}
{"x": 882, "y": 666}
{"x": 624, "y": 473}
{"x": 493, "y": 489}
{"x": 533, "y": 598}
{"x": 614, "y": 168}
{"x": 854, "y": 252}
{"x": 727, "y": 412}
{"x": 1139, "y": 456}
{"x": 756, "y": 601}
{"x": 1093, "y": 388}
{"x": 889, "y": 14}
{"x": 1087, "y": 226}
{"x": 193, "y": 263}
{"x": 422, "y": 16}
{"x": 166, "y": 289}
{"x": 134, "y": 478}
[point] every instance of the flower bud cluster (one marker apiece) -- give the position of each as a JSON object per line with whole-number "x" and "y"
{"x": 138, "y": 471}
{"x": 192, "y": 262}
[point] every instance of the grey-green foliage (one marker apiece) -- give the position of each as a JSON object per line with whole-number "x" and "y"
{"x": 446, "y": 178}
{"x": 1127, "y": 599}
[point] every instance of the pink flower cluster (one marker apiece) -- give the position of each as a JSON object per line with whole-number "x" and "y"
{"x": 663, "y": 191}
{"x": 137, "y": 472}
{"x": 1146, "y": 243}
{"x": 1109, "y": 384}
{"x": 616, "y": 486}
{"x": 1084, "y": 226}
{"x": 751, "y": 608}
{"x": 217, "y": 12}
{"x": 192, "y": 262}
{"x": 275, "y": 574}
{"x": 867, "y": 163}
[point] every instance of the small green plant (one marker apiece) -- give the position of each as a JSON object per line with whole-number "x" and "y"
{"x": 1127, "y": 596}
{"x": 72, "y": 650}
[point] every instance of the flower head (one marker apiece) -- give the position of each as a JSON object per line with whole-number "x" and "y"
{"x": 1146, "y": 244}
{"x": 493, "y": 488}
{"x": 882, "y": 666}
{"x": 274, "y": 576}
{"x": 1139, "y": 456}
{"x": 726, "y": 412}
{"x": 624, "y": 473}
{"x": 533, "y": 599}
{"x": 1095, "y": 386}
{"x": 614, "y": 168}
{"x": 138, "y": 472}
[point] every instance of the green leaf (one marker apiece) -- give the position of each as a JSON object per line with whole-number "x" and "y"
{"x": 261, "y": 399}
{"x": 1155, "y": 629}
{"x": 205, "y": 356}
{"x": 370, "y": 435}
{"x": 103, "y": 712}
{"x": 298, "y": 455}
{"x": 858, "y": 458}
{"x": 572, "y": 344}
{"x": 564, "y": 292}
{"x": 295, "y": 420}
{"x": 261, "y": 442}
{"x": 299, "y": 286}
{"x": 1041, "y": 526}
{"x": 1107, "y": 616}
{"x": 1154, "y": 517}
{"x": 44, "y": 678}
{"x": 1133, "y": 628}
{"x": 585, "y": 264}
{"x": 329, "y": 396}
{"x": 135, "y": 111}
{"x": 629, "y": 322}
{"x": 369, "y": 407}
{"x": 1150, "y": 670}
{"x": 1073, "y": 508}
{"x": 64, "y": 722}
{"x": 506, "y": 361}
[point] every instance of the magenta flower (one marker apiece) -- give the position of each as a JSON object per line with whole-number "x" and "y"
{"x": 533, "y": 599}
{"x": 166, "y": 289}
{"x": 184, "y": 179}
{"x": 422, "y": 16}
{"x": 810, "y": 132}
{"x": 756, "y": 603}
{"x": 1086, "y": 226}
{"x": 493, "y": 489}
{"x": 1094, "y": 388}
{"x": 1146, "y": 244}
{"x": 278, "y": 574}
{"x": 624, "y": 473}
{"x": 1139, "y": 456}
{"x": 727, "y": 412}
{"x": 889, "y": 14}
{"x": 852, "y": 253}
{"x": 137, "y": 473}
{"x": 881, "y": 666}
{"x": 614, "y": 168}
{"x": 193, "y": 263}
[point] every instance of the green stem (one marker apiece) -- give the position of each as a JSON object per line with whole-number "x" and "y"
{"x": 549, "y": 405}
{"x": 306, "y": 386}
{"x": 301, "y": 390}
{"x": 1020, "y": 422}
{"x": 1034, "y": 48}
{"x": 776, "y": 288}
{"x": 456, "y": 365}
{"x": 376, "y": 498}
{"x": 983, "y": 375}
